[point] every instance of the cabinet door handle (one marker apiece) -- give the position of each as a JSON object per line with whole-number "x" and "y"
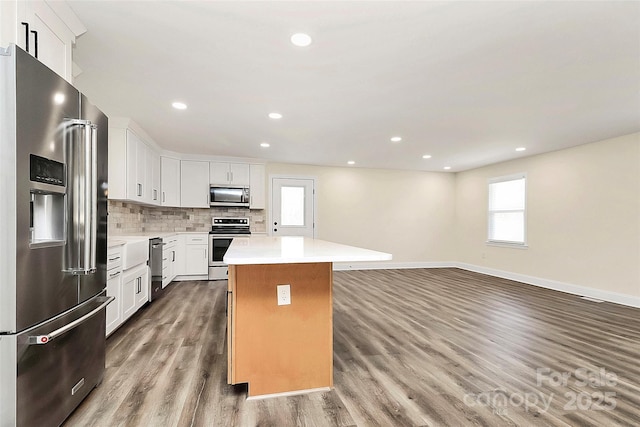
{"x": 231, "y": 172}
{"x": 139, "y": 189}
{"x": 174, "y": 256}
{"x": 114, "y": 274}
{"x": 155, "y": 194}
{"x": 26, "y": 36}
{"x": 35, "y": 39}
{"x": 164, "y": 198}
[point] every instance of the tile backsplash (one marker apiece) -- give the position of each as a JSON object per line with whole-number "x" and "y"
{"x": 130, "y": 218}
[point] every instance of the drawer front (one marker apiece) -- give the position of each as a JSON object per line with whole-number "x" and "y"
{"x": 114, "y": 273}
{"x": 170, "y": 241}
{"x": 114, "y": 260}
{"x": 197, "y": 239}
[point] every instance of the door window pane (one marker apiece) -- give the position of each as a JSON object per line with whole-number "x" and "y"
{"x": 292, "y": 206}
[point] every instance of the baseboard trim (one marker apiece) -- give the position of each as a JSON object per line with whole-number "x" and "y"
{"x": 289, "y": 393}
{"x": 186, "y": 278}
{"x": 342, "y": 266}
{"x": 614, "y": 297}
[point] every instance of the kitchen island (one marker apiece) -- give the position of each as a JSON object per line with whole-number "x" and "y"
{"x": 280, "y": 312}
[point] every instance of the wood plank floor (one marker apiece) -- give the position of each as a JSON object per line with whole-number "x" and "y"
{"x": 424, "y": 347}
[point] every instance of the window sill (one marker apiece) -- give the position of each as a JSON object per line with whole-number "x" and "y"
{"x": 507, "y": 244}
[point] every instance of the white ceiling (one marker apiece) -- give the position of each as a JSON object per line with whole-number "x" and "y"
{"x": 466, "y": 82}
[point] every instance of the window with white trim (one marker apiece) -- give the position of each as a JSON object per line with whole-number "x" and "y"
{"x": 507, "y": 210}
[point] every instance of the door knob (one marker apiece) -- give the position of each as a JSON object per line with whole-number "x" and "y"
{"x": 275, "y": 229}
{"x": 275, "y": 223}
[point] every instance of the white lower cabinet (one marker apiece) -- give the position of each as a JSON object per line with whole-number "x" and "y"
{"x": 180, "y": 266}
{"x": 131, "y": 291}
{"x": 197, "y": 260}
{"x": 169, "y": 259}
{"x": 114, "y": 288}
{"x": 135, "y": 290}
{"x": 128, "y": 294}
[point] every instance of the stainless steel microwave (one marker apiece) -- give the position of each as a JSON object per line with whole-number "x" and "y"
{"x": 228, "y": 196}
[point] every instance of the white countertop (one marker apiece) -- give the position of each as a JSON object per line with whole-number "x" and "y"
{"x": 286, "y": 250}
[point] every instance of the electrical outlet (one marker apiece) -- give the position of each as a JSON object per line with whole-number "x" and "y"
{"x": 284, "y": 294}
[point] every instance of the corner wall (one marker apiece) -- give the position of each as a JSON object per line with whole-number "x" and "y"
{"x": 583, "y": 217}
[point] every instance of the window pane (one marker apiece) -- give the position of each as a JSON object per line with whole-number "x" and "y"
{"x": 292, "y": 205}
{"x": 507, "y": 210}
{"x": 506, "y": 226}
{"x": 506, "y": 195}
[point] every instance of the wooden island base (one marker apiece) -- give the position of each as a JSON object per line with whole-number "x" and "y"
{"x": 280, "y": 348}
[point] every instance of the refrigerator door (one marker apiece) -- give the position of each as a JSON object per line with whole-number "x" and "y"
{"x": 93, "y": 284}
{"x": 44, "y": 103}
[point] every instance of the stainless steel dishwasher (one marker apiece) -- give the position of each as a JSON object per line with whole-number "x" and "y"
{"x": 155, "y": 265}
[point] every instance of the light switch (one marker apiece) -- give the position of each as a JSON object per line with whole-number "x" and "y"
{"x": 284, "y": 294}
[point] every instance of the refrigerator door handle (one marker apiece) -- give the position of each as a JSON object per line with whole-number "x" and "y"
{"x": 45, "y": 339}
{"x": 82, "y": 195}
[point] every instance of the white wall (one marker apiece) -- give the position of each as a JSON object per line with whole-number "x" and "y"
{"x": 583, "y": 216}
{"x": 408, "y": 214}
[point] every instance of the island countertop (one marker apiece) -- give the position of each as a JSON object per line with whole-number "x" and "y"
{"x": 294, "y": 249}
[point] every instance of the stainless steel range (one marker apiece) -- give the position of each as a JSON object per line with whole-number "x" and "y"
{"x": 223, "y": 230}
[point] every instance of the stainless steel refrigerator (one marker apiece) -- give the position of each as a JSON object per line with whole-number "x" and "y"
{"x": 53, "y": 243}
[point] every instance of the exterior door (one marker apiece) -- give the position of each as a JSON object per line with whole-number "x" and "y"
{"x": 292, "y": 207}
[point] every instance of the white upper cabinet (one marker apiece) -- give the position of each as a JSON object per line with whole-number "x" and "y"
{"x": 224, "y": 173}
{"x": 194, "y": 184}
{"x": 153, "y": 176}
{"x": 170, "y": 181}
{"x": 134, "y": 168}
{"x": 45, "y": 29}
{"x": 257, "y": 184}
{"x": 137, "y": 186}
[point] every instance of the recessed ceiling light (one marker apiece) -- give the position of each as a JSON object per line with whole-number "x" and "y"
{"x": 447, "y": 168}
{"x": 396, "y": 139}
{"x": 520, "y": 149}
{"x": 265, "y": 145}
{"x": 179, "y": 105}
{"x": 426, "y": 156}
{"x": 351, "y": 162}
{"x": 275, "y": 116}
{"x": 301, "y": 39}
